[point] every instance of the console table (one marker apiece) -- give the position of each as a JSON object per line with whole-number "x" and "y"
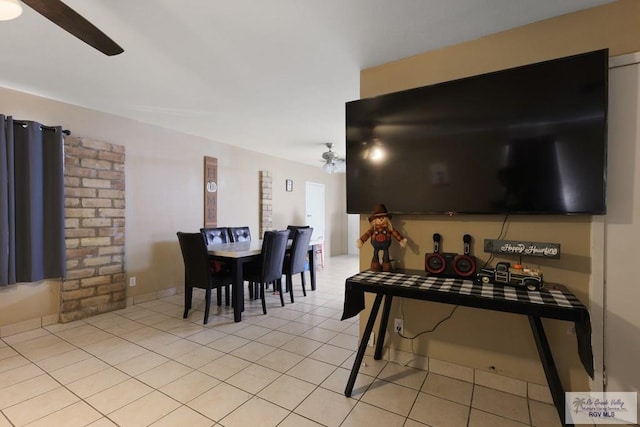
{"x": 554, "y": 302}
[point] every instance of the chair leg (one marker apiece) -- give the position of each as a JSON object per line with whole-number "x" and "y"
{"x": 188, "y": 292}
{"x": 304, "y": 284}
{"x": 278, "y": 284}
{"x": 251, "y": 296}
{"x": 289, "y": 280}
{"x": 219, "y": 295}
{"x": 264, "y": 303}
{"x": 207, "y": 305}
{"x": 226, "y": 295}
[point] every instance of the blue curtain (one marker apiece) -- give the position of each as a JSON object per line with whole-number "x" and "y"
{"x": 32, "y": 245}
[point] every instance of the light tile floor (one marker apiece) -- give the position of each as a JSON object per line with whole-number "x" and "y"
{"x": 145, "y": 365}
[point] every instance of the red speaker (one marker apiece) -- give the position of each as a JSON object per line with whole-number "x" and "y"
{"x": 464, "y": 265}
{"x": 434, "y": 263}
{"x": 448, "y": 264}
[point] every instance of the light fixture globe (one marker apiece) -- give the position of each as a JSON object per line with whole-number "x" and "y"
{"x": 328, "y": 167}
{"x": 9, "y": 9}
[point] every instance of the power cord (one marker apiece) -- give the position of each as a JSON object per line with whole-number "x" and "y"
{"x": 501, "y": 235}
{"x": 432, "y": 329}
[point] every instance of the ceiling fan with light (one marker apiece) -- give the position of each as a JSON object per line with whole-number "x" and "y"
{"x": 66, "y": 18}
{"x": 332, "y": 162}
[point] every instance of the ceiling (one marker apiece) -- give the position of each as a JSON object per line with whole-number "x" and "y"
{"x": 267, "y": 75}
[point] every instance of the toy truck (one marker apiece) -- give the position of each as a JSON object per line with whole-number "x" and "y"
{"x": 505, "y": 274}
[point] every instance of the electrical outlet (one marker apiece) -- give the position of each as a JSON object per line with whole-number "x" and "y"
{"x": 571, "y": 330}
{"x": 132, "y": 281}
{"x": 398, "y": 326}
{"x": 371, "y": 340}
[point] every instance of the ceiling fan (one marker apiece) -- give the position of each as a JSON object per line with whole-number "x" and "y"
{"x": 332, "y": 162}
{"x": 71, "y": 21}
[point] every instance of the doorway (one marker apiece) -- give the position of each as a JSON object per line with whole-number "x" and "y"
{"x": 314, "y": 209}
{"x": 353, "y": 227}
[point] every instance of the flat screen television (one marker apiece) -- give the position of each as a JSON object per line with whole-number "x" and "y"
{"x": 526, "y": 140}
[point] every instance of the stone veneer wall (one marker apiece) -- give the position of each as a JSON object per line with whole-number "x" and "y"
{"x": 94, "y": 229}
{"x": 266, "y": 202}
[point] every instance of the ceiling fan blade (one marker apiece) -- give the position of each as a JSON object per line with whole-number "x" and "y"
{"x": 71, "y": 21}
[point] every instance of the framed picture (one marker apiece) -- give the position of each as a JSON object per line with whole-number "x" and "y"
{"x": 289, "y": 185}
{"x": 210, "y": 191}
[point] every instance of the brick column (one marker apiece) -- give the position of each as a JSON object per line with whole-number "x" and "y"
{"x": 266, "y": 202}
{"x": 94, "y": 229}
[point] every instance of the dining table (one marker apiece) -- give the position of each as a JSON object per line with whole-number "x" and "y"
{"x": 236, "y": 254}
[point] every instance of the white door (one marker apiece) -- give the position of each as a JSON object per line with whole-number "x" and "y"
{"x": 622, "y": 230}
{"x": 314, "y": 205}
{"x": 353, "y": 231}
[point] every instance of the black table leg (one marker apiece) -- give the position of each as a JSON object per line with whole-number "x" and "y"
{"x": 363, "y": 345}
{"x": 236, "y": 288}
{"x": 550, "y": 371}
{"x": 383, "y": 327}
{"x": 312, "y": 267}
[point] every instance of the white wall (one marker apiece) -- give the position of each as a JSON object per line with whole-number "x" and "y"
{"x": 622, "y": 229}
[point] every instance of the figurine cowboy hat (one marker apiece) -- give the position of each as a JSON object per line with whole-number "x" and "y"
{"x": 378, "y": 211}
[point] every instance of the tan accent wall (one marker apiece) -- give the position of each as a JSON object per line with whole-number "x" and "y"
{"x": 614, "y": 26}
{"x": 499, "y": 342}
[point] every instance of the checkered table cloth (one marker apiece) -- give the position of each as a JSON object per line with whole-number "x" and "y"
{"x": 551, "y": 301}
{"x": 553, "y": 297}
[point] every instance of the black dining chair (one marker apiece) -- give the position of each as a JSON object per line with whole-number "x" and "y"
{"x": 293, "y": 228}
{"x": 268, "y": 269}
{"x": 216, "y": 235}
{"x": 295, "y": 260}
{"x": 198, "y": 273}
{"x": 239, "y": 234}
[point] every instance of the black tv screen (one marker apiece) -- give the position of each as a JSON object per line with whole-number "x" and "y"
{"x": 526, "y": 140}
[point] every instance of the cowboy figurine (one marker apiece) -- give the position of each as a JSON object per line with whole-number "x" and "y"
{"x": 381, "y": 232}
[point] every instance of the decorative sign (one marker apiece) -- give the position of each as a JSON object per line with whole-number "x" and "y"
{"x": 517, "y": 247}
{"x": 210, "y": 192}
